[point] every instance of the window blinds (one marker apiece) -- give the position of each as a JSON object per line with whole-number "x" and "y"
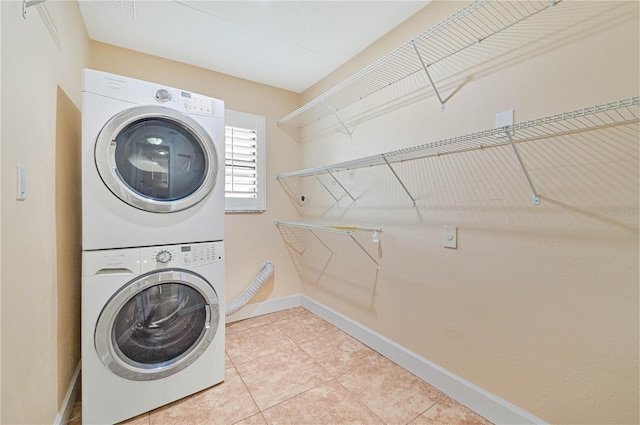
{"x": 241, "y": 163}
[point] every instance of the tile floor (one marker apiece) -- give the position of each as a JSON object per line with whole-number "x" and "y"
{"x": 291, "y": 367}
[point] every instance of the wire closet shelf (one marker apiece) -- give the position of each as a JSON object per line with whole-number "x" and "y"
{"x": 349, "y": 231}
{"x": 468, "y": 27}
{"x": 610, "y": 114}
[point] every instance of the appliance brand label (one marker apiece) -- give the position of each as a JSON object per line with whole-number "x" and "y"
{"x": 114, "y": 83}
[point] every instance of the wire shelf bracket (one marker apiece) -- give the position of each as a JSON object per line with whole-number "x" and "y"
{"x": 327, "y": 189}
{"x": 335, "y": 113}
{"x": 536, "y": 197}
{"x": 27, "y": 4}
{"x": 404, "y": 187}
{"x": 426, "y": 71}
{"x": 341, "y": 185}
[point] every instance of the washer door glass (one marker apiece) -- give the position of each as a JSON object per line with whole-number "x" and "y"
{"x": 157, "y": 325}
{"x": 156, "y": 159}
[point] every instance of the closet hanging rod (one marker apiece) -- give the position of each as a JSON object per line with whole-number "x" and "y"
{"x": 599, "y": 116}
{"x": 468, "y": 27}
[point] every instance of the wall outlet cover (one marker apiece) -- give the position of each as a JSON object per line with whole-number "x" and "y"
{"x": 450, "y": 237}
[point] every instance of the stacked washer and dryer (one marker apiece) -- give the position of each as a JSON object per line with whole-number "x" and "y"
{"x": 153, "y": 288}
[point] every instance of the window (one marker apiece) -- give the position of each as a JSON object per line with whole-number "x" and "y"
{"x": 245, "y": 188}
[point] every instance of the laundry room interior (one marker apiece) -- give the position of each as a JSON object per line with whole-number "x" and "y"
{"x": 460, "y": 195}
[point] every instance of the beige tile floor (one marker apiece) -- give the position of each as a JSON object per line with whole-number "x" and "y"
{"x": 291, "y": 367}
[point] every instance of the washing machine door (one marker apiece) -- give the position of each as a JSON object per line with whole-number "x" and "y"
{"x": 157, "y": 325}
{"x": 156, "y": 159}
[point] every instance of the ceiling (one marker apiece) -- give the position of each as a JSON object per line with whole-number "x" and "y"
{"x": 286, "y": 44}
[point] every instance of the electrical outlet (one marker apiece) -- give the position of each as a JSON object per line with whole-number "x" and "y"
{"x": 450, "y": 237}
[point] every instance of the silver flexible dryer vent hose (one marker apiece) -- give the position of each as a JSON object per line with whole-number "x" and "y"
{"x": 242, "y": 300}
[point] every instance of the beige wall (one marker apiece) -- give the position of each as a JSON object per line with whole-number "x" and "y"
{"x": 42, "y": 360}
{"x": 39, "y": 62}
{"x": 40, "y": 308}
{"x": 250, "y": 239}
{"x": 68, "y": 238}
{"x": 0, "y": 215}
{"x": 539, "y": 304}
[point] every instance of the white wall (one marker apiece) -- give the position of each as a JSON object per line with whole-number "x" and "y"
{"x": 539, "y": 304}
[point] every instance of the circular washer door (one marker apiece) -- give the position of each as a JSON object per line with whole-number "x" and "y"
{"x": 157, "y": 325}
{"x": 156, "y": 159}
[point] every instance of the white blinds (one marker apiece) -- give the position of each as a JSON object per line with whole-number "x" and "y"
{"x": 241, "y": 163}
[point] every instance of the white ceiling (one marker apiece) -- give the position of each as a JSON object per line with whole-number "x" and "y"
{"x": 287, "y": 44}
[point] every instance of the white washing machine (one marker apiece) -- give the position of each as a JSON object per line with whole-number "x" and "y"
{"x": 152, "y": 327}
{"x": 152, "y": 164}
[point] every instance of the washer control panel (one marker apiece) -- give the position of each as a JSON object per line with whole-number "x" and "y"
{"x": 183, "y": 256}
{"x": 191, "y": 103}
{"x": 196, "y": 104}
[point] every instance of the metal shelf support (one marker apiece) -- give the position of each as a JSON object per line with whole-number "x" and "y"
{"x": 426, "y": 71}
{"x": 341, "y": 186}
{"x": 326, "y": 188}
{"x": 536, "y": 197}
{"x": 335, "y": 113}
{"x": 386, "y": 161}
{"x": 326, "y": 264}
{"x": 27, "y": 4}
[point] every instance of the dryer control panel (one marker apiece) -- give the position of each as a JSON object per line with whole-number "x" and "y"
{"x": 191, "y": 103}
{"x": 147, "y": 93}
{"x": 183, "y": 256}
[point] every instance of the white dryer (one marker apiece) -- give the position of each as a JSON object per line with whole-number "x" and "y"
{"x": 152, "y": 164}
{"x": 152, "y": 327}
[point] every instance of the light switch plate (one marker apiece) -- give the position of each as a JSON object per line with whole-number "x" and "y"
{"x": 450, "y": 237}
{"x": 21, "y": 180}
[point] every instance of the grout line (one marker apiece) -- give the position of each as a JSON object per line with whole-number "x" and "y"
{"x": 246, "y": 388}
{"x": 482, "y": 402}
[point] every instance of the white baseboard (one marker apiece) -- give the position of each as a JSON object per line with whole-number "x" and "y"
{"x": 62, "y": 418}
{"x": 486, "y": 404}
{"x": 266, "y": 307}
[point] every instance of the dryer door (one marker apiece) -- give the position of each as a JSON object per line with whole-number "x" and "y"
{"x": 156, "y": 159}
{"x": 157, "y": 325}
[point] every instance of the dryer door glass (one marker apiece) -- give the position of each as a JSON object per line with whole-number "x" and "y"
{"x": 157, "y": 325}
{"x": 160, "y": 160}
{"x": 156, "y": 159}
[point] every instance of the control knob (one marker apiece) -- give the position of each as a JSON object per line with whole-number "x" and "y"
{"x": 163, "y": 256}
{"x": 163, "y": 95}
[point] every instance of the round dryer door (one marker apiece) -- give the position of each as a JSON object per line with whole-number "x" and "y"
{"x": 156, "y": 159}
{"x": 157, "y": 325}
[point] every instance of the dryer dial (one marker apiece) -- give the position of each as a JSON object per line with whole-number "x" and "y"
{"x": 163, "y": 257}
{"x": 163, "y": 95}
